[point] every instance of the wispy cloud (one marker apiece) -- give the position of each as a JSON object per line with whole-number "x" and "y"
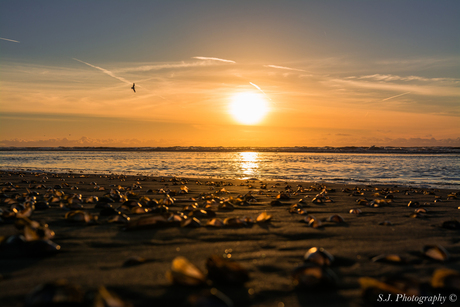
{"x": 213, "y": 59}
{"x": 257, "y": 87}
{"x": 283, "y": 67}
{"x": 379, "y": 77}
{"x": 145, "y": 68}
{"x": 10, "y": 40}
{"x": 395, "y": 96}
{"x": 105, "y": 71}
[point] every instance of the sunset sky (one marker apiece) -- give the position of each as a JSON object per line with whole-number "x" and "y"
{"x": 329, "y": 73}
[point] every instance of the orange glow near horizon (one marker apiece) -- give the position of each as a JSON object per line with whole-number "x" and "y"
{"x": 248, "y": 108}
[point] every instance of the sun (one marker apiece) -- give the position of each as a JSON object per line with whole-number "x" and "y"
{"x": 248, "y": 108}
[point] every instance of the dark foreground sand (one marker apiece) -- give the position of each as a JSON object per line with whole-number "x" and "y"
{"x": 94, "y": 254}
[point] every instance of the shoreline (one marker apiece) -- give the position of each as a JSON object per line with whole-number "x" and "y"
{"x": 94, "y": 254}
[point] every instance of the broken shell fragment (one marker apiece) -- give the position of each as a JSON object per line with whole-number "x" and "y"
{"x": 185, "y": 273}
{"x": 226, "y": 271}
{"x": 413, "y": 204}
{"x": 215, "y": 222}
{"x": 436, "y": 252}
{"x": 319, "y": 256}
{"x": 191, "y": 222}
{"x": 104, "y": 298}
{"x": 355, "y": 211}
{"x": 135, "y": 260}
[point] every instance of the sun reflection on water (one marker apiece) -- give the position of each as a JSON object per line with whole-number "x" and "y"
{"x": 249, "y": 163}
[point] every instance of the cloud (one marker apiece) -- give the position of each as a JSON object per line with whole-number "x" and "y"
{"x": 379, "y": 77}
{"x": 145, "y": 68}
{"x": 283, "y": 67}
{"x": 213, "y": 59}
{"x": 257, "y": 87}
{"x": 10, "y": 40}
{"x": 395, "y": 96}
{"x": 105, "y": 71}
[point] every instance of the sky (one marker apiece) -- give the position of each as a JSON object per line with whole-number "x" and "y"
{"x": 330, "y": 73}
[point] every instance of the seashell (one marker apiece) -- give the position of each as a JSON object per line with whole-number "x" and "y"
{"x": 308, "y": 218}
{"x": 209, "y": 298}
{"x": 386, "y": 223}
{"x": 139, "y": 210}
{"x": 191, "y": 222}
{"x": 276, "y": 203}
{"x": 133, "y": 261}
{"x": 452, "y": 224}
{"x": 147, "y": 222}
{"x": 80, "y": 216}
{"x": 233, "y": 222}
{"x": 283, "y": 196}
{"x": 355, "y": 211}
{"x": 185, "y": 273}
{"x": 436, "y": 252}
{"x": 119, "y": 219}
{"x": 202, "y": 213}
{"x": 226, "y": 271}
{"x": 58, "y": 293}
{"x": 226, "y": 206}
{"x": 319, "y": 256}
{"x": 446, "y": 278}
{"x": 421, "y": 210}
{"x": 104, "y": 298}
{"x": 315, "y": 223}
{"x": 215, "y": 222}
{"x": 417, "y": 215}
{"x": 413, "y": 204}
{"x": 362, "y": 202}
{"x": 372, "y": 289}
{"x": 312, "y": 275}
{"x": 263, "y": 217}
{"x": 336, "y": 219}
{"x": 389, "y": 258}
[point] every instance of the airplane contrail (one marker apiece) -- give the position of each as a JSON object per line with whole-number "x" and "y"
{"x": 395, "y": 96}
{"x": 257, "y": 87}
{"x": 283, "y": 67}
{"x": 105, "y": 71}
{"x": 213, "y": 59}
{"x": 10, "y": 40}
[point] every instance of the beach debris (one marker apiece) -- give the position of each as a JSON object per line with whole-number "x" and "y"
{"x": 209, "y": 298}
{"x": 263, "y": 217}
{"x": 183, "y": 272}
{"x": 319, "y": 256}
{"x": 446, "y": 278}
{"x": 33, "y": 230}
{"x": 226, "y": 271}
{"x": 313, "y": 276}
{"x": 413, "y": 204}
{"x": 436, "y": 252}
{"x": 58, "y": 293}
{"x": 283, "y": 196}
{"x": 417, "y": 215}
{"x": 389, "y": 258}
{"x": 233, "y": 222}
{"x": 355, "y": 211}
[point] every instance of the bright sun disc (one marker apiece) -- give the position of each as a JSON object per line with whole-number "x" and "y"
{"x": 248, "y": 108}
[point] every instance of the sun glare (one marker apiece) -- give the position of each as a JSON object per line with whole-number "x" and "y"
{"x": 248, "y": 108}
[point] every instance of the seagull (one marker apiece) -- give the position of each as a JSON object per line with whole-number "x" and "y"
{"x": 134, "y": 87}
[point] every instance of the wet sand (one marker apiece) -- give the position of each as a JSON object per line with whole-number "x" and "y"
{"x": 93, "y": 254}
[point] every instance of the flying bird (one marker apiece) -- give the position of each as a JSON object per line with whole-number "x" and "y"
{"x": 134, "y": 87}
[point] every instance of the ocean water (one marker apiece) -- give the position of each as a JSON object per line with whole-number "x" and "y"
{"x": 420, "y": 170}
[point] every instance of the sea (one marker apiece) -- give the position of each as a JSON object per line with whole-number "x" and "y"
{"x": 407, "y": 168}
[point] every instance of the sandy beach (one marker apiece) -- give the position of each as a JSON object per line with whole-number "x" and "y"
{"x": 258, "y": 260}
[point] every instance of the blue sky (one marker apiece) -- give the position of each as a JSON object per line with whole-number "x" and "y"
{"x": 336, "y": 72}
